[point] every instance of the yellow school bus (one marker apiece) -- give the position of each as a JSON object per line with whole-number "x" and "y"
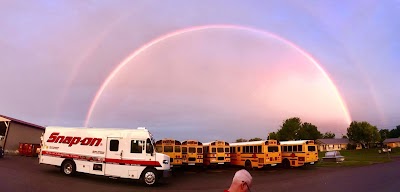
{"x": 299, "y": 153}
{"x": 192, "y": 153}
{"x": 216, "y": 153}
{"x": 256, "y": 154}
{"x": 172, "y": 148}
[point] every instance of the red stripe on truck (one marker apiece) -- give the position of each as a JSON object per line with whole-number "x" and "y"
{"x": 103, "y": 160}
{"x": 135, "y": 162}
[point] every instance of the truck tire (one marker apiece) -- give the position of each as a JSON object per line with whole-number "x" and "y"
{"x": 68, "y": 167}
{"x": 149, "y": 177}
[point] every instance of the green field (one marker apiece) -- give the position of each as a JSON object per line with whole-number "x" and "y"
{"x": 360, "y": 157}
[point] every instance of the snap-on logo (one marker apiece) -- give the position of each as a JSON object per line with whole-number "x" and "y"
{"x": 55, "y": 138}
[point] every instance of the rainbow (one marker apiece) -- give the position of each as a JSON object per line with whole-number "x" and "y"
{"x": 177, "y": 33}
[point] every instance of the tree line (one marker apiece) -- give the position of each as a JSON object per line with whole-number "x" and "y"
{"x": 358, "y": 132}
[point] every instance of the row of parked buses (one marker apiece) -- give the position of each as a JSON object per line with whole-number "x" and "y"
{"x": 254, "y": 154}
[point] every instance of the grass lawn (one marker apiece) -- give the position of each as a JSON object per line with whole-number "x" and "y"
{"x": 360, "y": 157}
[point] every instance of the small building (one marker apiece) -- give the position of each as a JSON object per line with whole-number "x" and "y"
{"x": 392, "y": 142}
{"x": 334, "y": 144}
{"x": 15, "y": 131}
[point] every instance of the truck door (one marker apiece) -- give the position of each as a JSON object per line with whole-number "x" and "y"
{"x": 114, "y": 155}
{"x": 135, "y": 153}
{"x": 150, "y": 155}
{"x": 125, "y": 156}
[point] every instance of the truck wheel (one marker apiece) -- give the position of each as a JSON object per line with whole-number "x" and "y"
{"x": 68, "y": 167}
{"x": 149, "y": 177}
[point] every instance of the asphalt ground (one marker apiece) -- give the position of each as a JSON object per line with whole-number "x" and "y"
{"x": 25, "y": 174}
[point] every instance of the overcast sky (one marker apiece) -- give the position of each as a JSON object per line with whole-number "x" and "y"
{"x": 216, "y": 83}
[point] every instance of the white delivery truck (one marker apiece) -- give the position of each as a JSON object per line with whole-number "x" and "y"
{"x": 123, "y": 153}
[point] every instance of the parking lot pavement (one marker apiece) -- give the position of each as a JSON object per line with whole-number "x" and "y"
{"x": 25, "y": 174}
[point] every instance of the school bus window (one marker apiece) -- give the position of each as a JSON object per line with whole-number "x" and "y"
{"x": 214, "y": 150}
{"x": 238, "y": 149}
{"x": 199, "y": 150}
{"x": 177, "y": 149}
{"x": 227, "y": 150}
{"x": 184, "y": 150}
{"x": 114, "y": 144}
{"x": 284, "y": 148}
{"x": 290, "y": 148}
{"x": 295, "y": 148}
{"x": 299, "y": 148}
{"x": 260, "y": 149}
{"x": 220, "y": 150}
{"x": 159, "y": 149}
{"x": 311, "y": 148}
{"x": 273, "y": 149}
{"x": 251, "y": 149}
{"x": 192, "y": 150}
{"x": 168, "y": 149}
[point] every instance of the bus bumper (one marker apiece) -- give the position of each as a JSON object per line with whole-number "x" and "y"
{"x": 310, "y": 163}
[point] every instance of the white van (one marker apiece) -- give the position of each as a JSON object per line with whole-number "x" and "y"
{"x": 124, "y": 153}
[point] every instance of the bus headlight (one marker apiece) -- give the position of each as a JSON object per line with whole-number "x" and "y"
{"x": 165, "y": 161}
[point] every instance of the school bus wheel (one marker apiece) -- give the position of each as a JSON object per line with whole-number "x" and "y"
{"x": 286, "y": 163}
{"x": 247, "y": 165}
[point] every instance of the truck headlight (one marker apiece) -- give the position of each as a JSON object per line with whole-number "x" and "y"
{"x": 165, "y": 161}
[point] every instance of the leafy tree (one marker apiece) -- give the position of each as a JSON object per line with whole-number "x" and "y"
{"x": 385, "y": 133}
{"x": 363, "y": 132}
{"x": 398, "y": 130}
{"x": 328, "y": 135}
{"x": 241, "y": 140}
{"x": 395, "y": 133}
{"x": 289, "y": 129}
{"x": 344, "y": 137}
{"x": 273, "y": 135}
{"x": 255, "y": 139}
{"x": 294, "y": 129}
{"x": 308, "y": 131}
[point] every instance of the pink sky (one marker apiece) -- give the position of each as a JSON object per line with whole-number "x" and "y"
{"x": 198, "y": 81}
{"x": 54, "y": 56}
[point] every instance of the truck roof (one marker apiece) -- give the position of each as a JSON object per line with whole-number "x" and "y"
{"x": 109, "y": 132}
